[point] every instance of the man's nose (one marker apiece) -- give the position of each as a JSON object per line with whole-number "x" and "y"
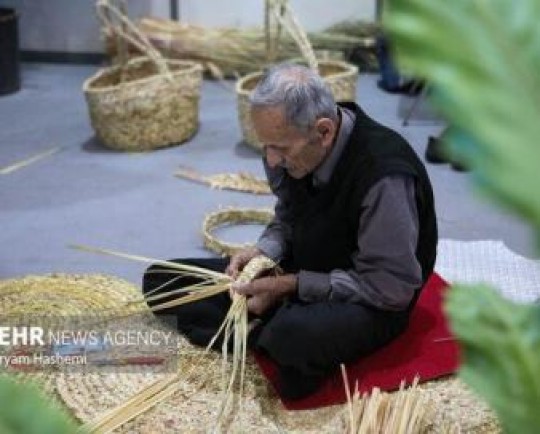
{"x": 272, "y": 158}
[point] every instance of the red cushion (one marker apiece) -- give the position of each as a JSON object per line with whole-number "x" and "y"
{"x": 426, "y": 349}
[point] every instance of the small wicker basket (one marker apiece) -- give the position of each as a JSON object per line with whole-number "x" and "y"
{"x": 147, "y": 102}
{"x": 340, "y": 76}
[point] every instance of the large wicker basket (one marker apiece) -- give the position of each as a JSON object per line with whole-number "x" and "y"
{"x": 147, "y": 102}
{"x": 340, "y": 76}
{"x": 147, "y": 110}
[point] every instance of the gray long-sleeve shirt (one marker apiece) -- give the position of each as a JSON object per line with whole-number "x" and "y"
{"x": 385, "y": 272}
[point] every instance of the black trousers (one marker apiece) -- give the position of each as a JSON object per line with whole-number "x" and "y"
{"x": 312, "y": 338}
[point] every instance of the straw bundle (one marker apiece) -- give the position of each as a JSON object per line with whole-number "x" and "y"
{"x": 234, "y": 325}
{"x": 242, "y": 181}
{"x": 144, "y": 103}
{"x": 341, "y": 77}
{"x": 231, "y": 52}
{"x": 404, "y": 412}
{"x": 230, "y": 217}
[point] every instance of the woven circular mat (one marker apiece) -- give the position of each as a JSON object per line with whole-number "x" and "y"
{"x": 88, "y": 395}
{"x": 59, "y": 294}
{"x": 192, "y": 409}
{"x": 454, "y": 408}
{"x": 45, "y": 299}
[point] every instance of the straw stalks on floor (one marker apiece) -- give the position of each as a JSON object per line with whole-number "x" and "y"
{"x": 234, "y": 326}
{"x": 401, "y": 412}
{"x": 242, "y": 181}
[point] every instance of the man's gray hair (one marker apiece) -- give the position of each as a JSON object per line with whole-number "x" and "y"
{"x": 302, "y": 93}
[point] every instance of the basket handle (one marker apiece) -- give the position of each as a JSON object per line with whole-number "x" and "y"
{"x": 126, "y": 31}
{"x": 286, "y": 18}
{"x": 271, "y": 43}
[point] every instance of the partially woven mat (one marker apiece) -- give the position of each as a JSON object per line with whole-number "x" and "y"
{"x": 490, "y": 261}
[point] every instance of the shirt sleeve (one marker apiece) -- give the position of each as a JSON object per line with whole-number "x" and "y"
{"x": 275, "y": 240}
{"x": 385, "y": 272}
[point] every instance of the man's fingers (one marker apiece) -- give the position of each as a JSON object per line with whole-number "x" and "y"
{"x": 255, "y": 287}
{"x": 254, "y": 305}
{"x": 243, "y": 288}
{"x": 234, "y": 266}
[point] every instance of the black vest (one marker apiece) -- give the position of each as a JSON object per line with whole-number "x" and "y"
{"x": 325, "y": 220}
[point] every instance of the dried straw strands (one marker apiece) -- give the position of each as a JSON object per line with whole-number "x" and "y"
{"x": 235, "y": 325}
{"x": 242, "y": 181}
{"x": 230, "y": 51}
{"x": 231, "y": 216}
{"x": 403, "y": 412}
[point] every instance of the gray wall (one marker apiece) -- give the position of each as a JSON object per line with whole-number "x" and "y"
{"x": 72, "y": 25}
{"x": 69, "y": 25}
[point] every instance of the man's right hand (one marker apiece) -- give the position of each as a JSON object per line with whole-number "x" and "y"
{"x": 240, "y": 259}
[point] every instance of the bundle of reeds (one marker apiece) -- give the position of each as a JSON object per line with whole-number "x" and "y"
{"x": 403, "y": 412}
{"x": 366, "y": 30}
{"x": 230, "y": 52}
{"x": 235, "y": 326}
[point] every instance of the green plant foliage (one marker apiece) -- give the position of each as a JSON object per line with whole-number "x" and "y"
{"x": 24, "y": 410}
{"x": 483, "y": 59}
{"x": 501, "y": 345}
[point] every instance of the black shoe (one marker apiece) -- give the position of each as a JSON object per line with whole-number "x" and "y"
{"x": 390, "y": 89}
{"x": 411, "y": 87}
{"x": 434, "y": 151}
{"x": 293, "y": 385}
{"x": 459, "y": 167}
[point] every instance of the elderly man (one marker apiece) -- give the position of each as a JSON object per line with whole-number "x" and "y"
{"x": 354, "y": 229}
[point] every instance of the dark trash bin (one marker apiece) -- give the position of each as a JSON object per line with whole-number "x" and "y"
{"x": 10, "y": 79}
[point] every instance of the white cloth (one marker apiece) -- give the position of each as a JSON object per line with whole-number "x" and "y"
{"x": 490, "y": 261}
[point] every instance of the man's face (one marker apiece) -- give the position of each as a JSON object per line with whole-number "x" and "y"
{"x": 299, "y": 152}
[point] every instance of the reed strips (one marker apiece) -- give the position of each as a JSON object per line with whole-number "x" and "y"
{"x": 403, "y": 412}
{"x": 234, "y": 326}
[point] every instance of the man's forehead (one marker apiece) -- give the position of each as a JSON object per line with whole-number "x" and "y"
{"x": 269, "y": 114}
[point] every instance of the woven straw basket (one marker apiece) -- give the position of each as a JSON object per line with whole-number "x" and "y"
{"x": 147, "y": 102}
{"x": 340, "y": 76}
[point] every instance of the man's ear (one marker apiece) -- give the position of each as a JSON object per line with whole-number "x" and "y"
{"x": 326, "y": 129}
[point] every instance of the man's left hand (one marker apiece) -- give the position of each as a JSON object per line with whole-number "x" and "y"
{"x": 266, "y": 292}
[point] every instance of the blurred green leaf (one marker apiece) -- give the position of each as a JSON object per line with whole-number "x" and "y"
{"x": 501, "y": 349}
{"x": 483, "y": 59}
{"x": 24, "y": 410}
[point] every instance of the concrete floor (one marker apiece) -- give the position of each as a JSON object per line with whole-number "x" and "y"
{"x": 87, "y": 194}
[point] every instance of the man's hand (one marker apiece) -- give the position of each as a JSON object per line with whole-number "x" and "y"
{"x": 266, "y": 292}
{"x": 239, "y": 260}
